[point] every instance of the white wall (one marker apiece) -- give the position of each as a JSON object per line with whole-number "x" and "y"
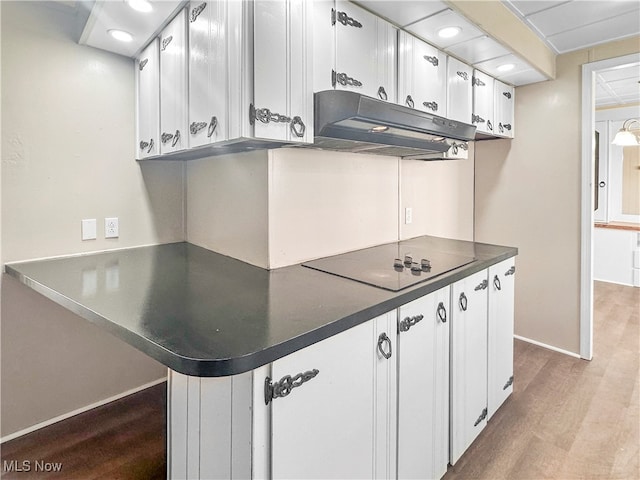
{"x": 227, "y": 205}
{"x": 323, "y": 203}
{"x": 67, "y": 154}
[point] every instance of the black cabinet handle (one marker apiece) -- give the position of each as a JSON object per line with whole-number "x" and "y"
{"x": 489, "y": 125}
{"x": 383, "y": 338}
{"x": 496, "y": 283}
{"x": 463, "y": 302}
{"x": 176, "y": 138}
{"x": 297, "y": 127}
{"x": 382, "y": 94}
{"x": 409, "y": 101}
{"x": 442, "y": 313}
{"x": 212, "y": 126}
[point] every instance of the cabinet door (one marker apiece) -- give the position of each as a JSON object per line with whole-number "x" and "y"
{"x": 148, "y": 101}
{"x": 504, "y": 100}
{"x": 423, "y": 386}
{"x": 365, "y": 52}
{"x": 500, "y": 338}
{"x": 173, "y": 85}
{"x": 421, "y": 75}
{"x": 468, "y": 362}
{"x": 459, "y": 91}
{"x": 340, "y": 423}
{"x": 483, "y": 110}
{"x": 208, "y": 66}
{"x": 283, "y": 82}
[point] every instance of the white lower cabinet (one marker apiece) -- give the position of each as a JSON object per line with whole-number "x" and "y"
{"x": 399, "y": 396}
{"x": 423, "y": 387}
{"x": 340, "y": 423}
{"x": 468, "y": 397}
{"x": 500, "y": 338}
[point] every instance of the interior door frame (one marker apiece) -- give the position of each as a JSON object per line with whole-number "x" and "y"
{"x": 586, "y": 217}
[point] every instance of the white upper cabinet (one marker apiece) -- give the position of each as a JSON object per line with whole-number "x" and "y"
{"x": 468, "y": 362}
{"x": 483, "y": 103}
{"x": 459, "y": 90}
{"x": 354, "y": 50}
{"x": 282, "y": 69}
{"x": 423, "y": 386}
{"x": 422, "y": 73}
{"x": 500, "y": 339}
{"x": 208, "y": 50}
{"x": 173, "y": 85}
{"x": 339, "y": 423}
{"x": 504, "y": 98}
{"x": 148, "y": 102}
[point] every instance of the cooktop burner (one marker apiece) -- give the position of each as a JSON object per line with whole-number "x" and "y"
{"x": 393, "y": 266}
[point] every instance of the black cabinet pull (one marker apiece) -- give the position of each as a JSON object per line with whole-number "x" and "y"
{"x": 409, "y": 101}
{"x": 496, "y": 283}
{"x": 463, "y": 302}
{"x": 297, "y": 127}
{"x": 382, "y": 94}
{"x": 212, "y": 126}
{"x": 442, "y": 313}
{"x": 489, "y": 125}
{"x": 383, "y": 338}
{"x": 176, "y": 138}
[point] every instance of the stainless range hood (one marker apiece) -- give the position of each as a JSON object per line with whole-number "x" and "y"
{"x": 349, "y": 121}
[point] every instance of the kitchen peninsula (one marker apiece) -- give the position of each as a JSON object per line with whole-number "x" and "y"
{"x": 226, "y": 329}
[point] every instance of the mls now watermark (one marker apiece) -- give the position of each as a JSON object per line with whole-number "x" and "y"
{"x": 30, "y": 466}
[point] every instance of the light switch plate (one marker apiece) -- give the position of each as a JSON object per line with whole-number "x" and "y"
{"x": 89, "y": 230}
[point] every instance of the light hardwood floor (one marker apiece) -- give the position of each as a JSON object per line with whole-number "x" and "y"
{"x": 567, "y": 418}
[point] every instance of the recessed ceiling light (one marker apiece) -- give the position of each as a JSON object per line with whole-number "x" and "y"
{"x": 140, "y": 5}
{"x": 506, "y": 67}
{"x": 120, "y": 35}
{"x": 378, "y": 129}
{"x": 449, "y": 32}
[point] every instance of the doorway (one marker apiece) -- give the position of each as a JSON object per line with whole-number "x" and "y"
{"x": 589, "y": 71}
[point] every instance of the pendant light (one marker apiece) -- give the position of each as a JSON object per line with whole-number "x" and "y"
{"x": 625, "y": 137}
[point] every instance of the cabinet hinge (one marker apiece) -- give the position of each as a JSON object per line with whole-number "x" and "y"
{"x": 477, "y": 82}
{"x": 509, "y": 383}
{"x": 286, "y": 384}
{"x": 197, "y": 11}
{"x": 463, "y": 75}
{"x": 432, "y": 60}
{"x": 143, "y": 63}
{"x": 344, "y": 19}
{"x": 477, "y": 119}
{"x": 507, "y": 94}
{"x": 482, "y": 416}
{"x": 483, "y": 284}
{"x": 343, "y": 79}
{"x": 431, "y": 105}
{"x": 409, "y": 322}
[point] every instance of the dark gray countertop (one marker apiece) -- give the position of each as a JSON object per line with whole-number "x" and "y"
{"x": 201, "y": 313}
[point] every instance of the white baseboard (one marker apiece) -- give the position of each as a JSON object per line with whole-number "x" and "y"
{"x": 64, "y": 416}
{"x": 615, "y": 283}
{"x": 548, "y": 347}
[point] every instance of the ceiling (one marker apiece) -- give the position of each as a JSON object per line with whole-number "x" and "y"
{"x": 618, "y": 86}
{"x": 563, "y": 25}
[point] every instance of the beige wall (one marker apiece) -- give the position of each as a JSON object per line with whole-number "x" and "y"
{"x": 440, "y": 195}
{"x": 227, "y": 205}
{"x": 528, "y": 196}
{"x": 67, "y": 154}
{"x": 323, "y": 203}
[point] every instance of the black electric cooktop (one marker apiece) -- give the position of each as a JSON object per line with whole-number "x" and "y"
{"x": 393, "y": 266}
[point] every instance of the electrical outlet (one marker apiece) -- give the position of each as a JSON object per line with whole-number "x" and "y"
{"x": 111, "y": 227}
{"x": 89, "y": 229}
{"x": 408, "y": 215}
